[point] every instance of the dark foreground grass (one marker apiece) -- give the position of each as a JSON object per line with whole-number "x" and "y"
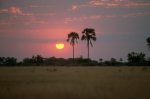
{"x": 74, "y": 83}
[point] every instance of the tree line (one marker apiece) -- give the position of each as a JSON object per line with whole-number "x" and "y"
{"x": 133, "y": 59}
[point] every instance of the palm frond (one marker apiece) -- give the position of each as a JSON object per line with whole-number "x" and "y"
{"x": 89, "y": 35}
{"x": 148, "y": 40}
{"x": 68, "y": 40}
{"x": 83, "y": 37}
{"x": 72, "y": 38}
{"x": 93, "y": 38}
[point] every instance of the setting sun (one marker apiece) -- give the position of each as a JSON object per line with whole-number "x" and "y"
{"x": 59, "y": 45}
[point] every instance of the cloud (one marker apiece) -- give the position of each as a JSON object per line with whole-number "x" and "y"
{"x": 74, "y": 7}
{"x": 135, "y": 14}
{"x": 19, "y": 16}
{"x": 100, "y": 17}
{"x": 114, "y": 4}
{"x": 119, "y": 3}
{"x": 93, "y": 17}
{"x": 12, "y": 10}
{"x": 15, "y": 11}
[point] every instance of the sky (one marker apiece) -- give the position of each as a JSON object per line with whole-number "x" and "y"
{"x": 31, "y": 27}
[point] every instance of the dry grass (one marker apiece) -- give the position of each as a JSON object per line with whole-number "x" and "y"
{"x": 74, "y": 83}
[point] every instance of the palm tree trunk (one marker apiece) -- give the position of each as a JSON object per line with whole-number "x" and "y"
{"x": 73, "y": 52}
{"x": 88, "y": 49}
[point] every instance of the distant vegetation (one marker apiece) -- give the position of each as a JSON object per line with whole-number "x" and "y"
{"x": 148, "y": 42}
{"x": 134, "y": 59}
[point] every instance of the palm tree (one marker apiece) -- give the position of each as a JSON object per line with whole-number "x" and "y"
{"x": 73, "y": 39}
{"x": 89, "y": 34}
{"x": 148, "y": 42}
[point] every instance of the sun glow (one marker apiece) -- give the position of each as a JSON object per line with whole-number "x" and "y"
{"x": 60, "y": 45}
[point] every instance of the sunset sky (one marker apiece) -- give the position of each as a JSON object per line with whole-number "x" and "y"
{"x": 31, "y": 27}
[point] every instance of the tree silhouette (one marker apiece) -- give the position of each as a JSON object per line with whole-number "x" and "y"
{"x": 100, "y": 60}
{"x": 73, "y": 39}
{"x": 2, "y": 60}
{"x": 10, "y": 61}
{"x": 148, "y": 42}
{"x": 136, "y": 58}
{"x": 88, "y": 34}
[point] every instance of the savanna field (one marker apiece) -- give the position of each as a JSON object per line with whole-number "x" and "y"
{"x": 75, "y": 83}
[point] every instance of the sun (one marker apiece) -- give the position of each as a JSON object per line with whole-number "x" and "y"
{"x": 60, "y": 46}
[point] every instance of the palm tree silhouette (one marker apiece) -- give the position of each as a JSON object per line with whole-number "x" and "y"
{"x": 73, "y": 39}
{"x": 89, "y": 34}
{"x": 148, "y": 42}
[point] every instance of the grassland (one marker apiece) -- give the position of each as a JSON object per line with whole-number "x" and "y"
{"x": 74, "y": 83}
